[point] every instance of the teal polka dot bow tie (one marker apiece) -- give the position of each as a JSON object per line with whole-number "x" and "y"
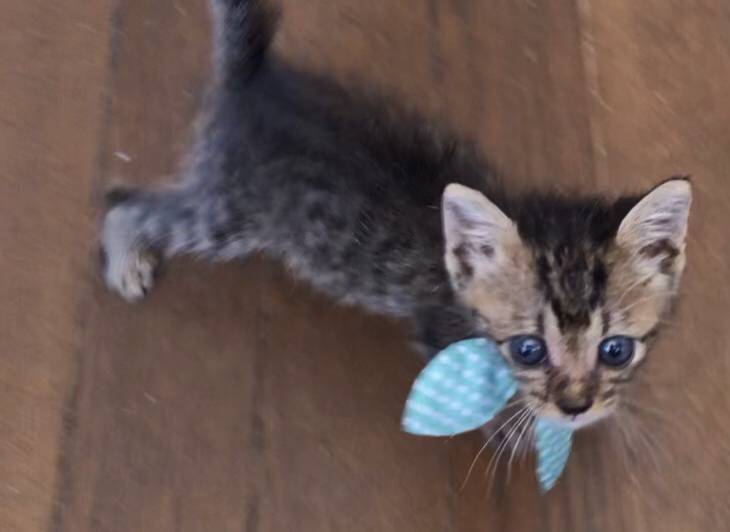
{"x": 463, "y": 388}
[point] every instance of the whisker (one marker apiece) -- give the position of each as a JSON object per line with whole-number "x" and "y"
{"x": 526, "y": 425}
{"x": 634, "y": 403}
{"x": 492, "y": 471}
{"x": 486, "y": 444}
{"x": 641, "y": 442}
{"x": 622, "y": 441}
{"x": 629, "y": 289}
{"x": 531, "y": 437}
{"x": 652, "y": 412}
{"x": 516, "y": 401}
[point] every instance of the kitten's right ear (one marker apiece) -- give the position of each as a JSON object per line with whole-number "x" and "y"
{"x": 654, "y": 231}
{"x": 476, "y": 232}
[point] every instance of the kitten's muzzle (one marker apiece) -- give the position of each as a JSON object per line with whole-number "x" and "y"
{"x": 572, "y": 396}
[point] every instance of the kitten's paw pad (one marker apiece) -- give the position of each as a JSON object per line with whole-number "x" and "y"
{"x": 132, "y": 276}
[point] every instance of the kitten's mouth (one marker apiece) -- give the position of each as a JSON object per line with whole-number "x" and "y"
{"x": 576, "y": 421}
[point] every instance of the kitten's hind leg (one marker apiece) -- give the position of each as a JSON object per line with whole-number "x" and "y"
{"x": 141, "y": 228}
{"x": 130, "y": 251}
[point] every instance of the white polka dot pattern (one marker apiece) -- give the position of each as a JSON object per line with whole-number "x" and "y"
{"x": 553, "y": 444}
{"x": 463, "y": 388}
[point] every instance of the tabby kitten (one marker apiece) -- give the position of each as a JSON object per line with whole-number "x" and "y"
{"x": 375, "y": 209}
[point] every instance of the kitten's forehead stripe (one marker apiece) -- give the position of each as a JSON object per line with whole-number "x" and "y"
{"x": 606, "y": 318}
{"x": 573, "y": 280}
{"x": 572, "y": 342}
{"x": 540, "y": 324}
{"x": 599, "y": 280}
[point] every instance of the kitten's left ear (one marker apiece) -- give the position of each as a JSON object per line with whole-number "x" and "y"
{"x": 476, "y": 234}
{"x": 656, "y": 228}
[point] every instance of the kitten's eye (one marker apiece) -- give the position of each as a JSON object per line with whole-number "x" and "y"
{"x": 528, "y": 350}
{"x": 616, "y": 351}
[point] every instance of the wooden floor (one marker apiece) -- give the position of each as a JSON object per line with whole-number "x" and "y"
{"x": 234, "y": 400}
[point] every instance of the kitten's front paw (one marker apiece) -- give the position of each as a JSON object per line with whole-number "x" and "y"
{"x": 128, "y": 265}
{"x": 132, "y": 275}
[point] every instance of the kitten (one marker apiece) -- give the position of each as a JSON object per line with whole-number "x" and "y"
{"x": 377, "y": 210}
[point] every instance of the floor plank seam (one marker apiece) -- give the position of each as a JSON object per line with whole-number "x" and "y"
{"x": 64, "y": 478}
{"x": 591, "y": 76}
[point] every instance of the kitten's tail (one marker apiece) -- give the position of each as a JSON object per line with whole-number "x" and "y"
{"x": 242, "y": 30}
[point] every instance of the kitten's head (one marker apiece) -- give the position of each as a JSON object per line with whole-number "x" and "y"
{"x": 571, "y": 289}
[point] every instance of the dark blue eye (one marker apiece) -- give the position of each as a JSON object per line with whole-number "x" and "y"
{"x": 616, "y": 351}
{"x": 527, "y": 350}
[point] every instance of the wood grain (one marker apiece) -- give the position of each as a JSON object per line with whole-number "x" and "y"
{"x": 235, "y": 399}
{"x": 660, "y": 108}
{"x": 53, "y": 64}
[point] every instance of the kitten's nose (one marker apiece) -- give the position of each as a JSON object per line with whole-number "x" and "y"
{"x": 573, "y": 407}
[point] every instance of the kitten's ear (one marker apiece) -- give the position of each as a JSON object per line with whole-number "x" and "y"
{"x": 656, "y": 228}
{"x": 475, "y": 233}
